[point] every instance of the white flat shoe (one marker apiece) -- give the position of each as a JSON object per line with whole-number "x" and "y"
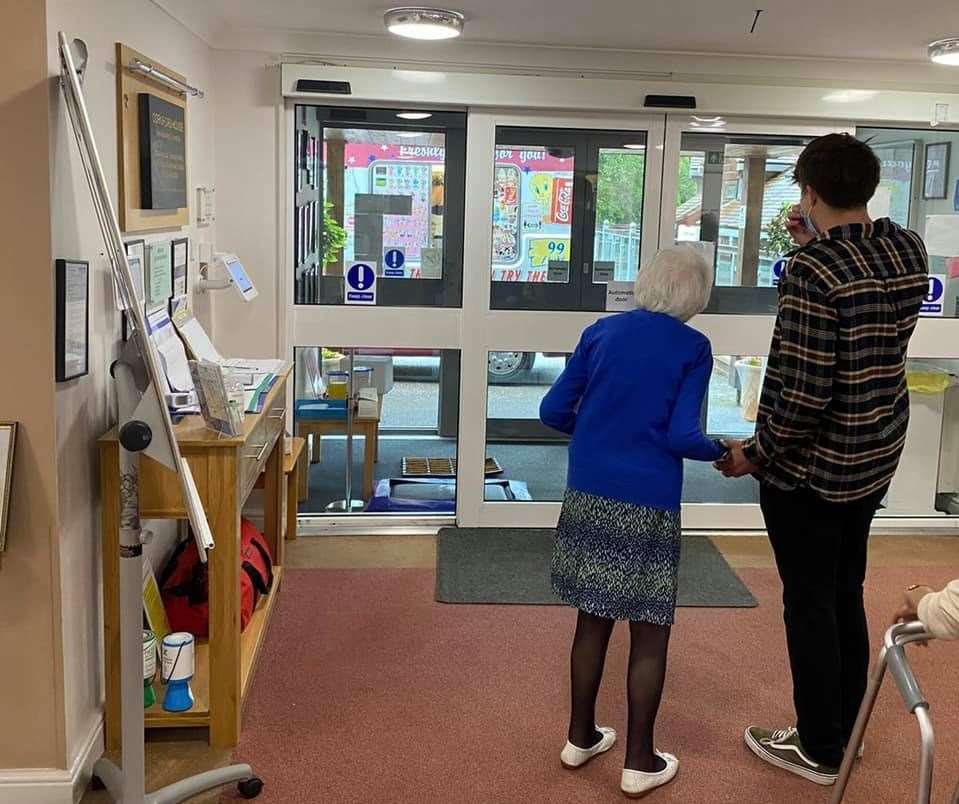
{"x": 575, "y": 757}
{"x": 637, "y": 784}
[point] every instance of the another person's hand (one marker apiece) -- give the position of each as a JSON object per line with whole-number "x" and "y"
{"x": 735, "y": 463}
{"x": 909, "y": 610}
{"x": 796, "y": 227}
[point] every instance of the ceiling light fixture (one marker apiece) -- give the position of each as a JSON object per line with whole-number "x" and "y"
{"x": 850, "y": 95}
{"x": 716, "y": 119}
{"x": 945, "y": 51}
{"x": 635, "y": 146}
{"x": 414, "y": 115}
{"x": 416, "y": 22}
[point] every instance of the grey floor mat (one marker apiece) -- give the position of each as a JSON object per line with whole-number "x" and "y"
{"x": 511, "y": 566}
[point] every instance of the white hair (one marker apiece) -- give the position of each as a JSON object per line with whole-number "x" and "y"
{"x": 677, "y": 281}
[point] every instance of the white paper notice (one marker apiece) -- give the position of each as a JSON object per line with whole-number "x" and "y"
{"x": 75, "y": 323}
{"x": 431, "y": 263}
{"x": 172, "y": 353}
{"x": 195, "y": 336}
{"x": 942, "y": 235}
{"x": 620, "y": 297}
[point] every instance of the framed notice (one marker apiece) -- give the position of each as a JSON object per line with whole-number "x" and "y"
{"x": 936, "y": 172}
{"x": 162, "y": 153}
{"x": 180, "y": 255}
{"x": 72, "y": 319}
{"x": 8, "y": 440}
{"x": 159, "y": 275}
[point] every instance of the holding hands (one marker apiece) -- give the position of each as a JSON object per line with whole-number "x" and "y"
{"x": 735, "y": 463}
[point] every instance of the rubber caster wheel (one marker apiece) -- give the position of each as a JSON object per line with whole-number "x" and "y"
{"x": 250, "y": 788}
{"x": 96, "y": 783}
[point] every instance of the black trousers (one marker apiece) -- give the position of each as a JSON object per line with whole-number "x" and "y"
{"x": 820, "y": 550}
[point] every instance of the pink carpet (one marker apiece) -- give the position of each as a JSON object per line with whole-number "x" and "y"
{"x": 368, "y": 691}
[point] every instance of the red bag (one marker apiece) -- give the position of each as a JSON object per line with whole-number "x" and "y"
{"x": 183, "y": 582}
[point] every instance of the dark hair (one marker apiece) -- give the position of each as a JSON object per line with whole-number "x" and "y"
{"x": 843, "y": 170}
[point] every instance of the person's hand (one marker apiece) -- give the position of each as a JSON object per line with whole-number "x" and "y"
{"x": 735, "y": 463}
{"x": 796, "y": 227}
{"x": 909, "y": 610}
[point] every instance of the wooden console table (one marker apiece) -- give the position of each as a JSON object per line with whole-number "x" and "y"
{"x": 225, "y": 470}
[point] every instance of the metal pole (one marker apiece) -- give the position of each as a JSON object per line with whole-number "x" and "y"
{"x": 926, "y": 755}
{"x": 349, "y": 436}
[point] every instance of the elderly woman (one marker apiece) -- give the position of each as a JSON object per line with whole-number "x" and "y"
{"x": 630, "y": 397}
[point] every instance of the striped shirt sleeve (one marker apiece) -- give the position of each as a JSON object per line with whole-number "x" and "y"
{"x": 808, "y": 325}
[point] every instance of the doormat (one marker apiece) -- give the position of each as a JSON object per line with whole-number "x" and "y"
{"x": 512, "y": 566}
{"x": 441, "y": 467}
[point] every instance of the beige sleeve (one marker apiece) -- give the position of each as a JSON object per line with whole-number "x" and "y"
{"x": 939, "y": 612}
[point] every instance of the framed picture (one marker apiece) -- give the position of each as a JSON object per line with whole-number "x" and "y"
{"x": 936, "y": 172}
{"x": 136, "y": 256}
{"x": 72, "y": 319}
{"x": 8, "y": 440}
{"x": 180, "y": 257}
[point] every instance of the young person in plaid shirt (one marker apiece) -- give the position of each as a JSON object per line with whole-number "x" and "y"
{"x": 831, "y": 427}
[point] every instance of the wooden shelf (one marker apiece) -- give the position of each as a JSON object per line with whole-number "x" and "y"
{"x": 251, "y": 640}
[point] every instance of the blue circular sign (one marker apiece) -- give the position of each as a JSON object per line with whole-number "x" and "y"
{"x": 394, "y": 258}
{"x": 778, "y": 268}
{"x": 360, "y": 276}
{"x": 936, "y": 289}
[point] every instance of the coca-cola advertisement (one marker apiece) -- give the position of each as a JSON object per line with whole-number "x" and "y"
{"x": 562, "y": 210}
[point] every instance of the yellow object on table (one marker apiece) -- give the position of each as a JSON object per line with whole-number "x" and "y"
{"x": 927, "y": 382}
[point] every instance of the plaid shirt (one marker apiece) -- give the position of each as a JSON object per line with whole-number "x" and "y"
{"x": 834, "y": 406}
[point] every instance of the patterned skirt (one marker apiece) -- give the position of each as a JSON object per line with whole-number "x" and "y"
{"x": 617, "y": 560}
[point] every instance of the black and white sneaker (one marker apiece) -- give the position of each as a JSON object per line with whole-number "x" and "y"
{"x": 783, "y": 749}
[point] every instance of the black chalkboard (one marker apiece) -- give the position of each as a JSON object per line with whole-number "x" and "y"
{"x": 162, "y": 154}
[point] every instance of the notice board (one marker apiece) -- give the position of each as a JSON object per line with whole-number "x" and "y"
{"x": 146, "y": 209}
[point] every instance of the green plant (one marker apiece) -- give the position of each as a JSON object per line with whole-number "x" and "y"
{"x": 334, "y": 235}
{"x": 777, "y": 240}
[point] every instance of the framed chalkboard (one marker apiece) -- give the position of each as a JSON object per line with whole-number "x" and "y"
{"x": 162, "y": 153}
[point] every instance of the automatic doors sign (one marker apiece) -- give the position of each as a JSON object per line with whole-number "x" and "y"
{"x": 778, "y": 268}
{"x": 393, "y": 261}
{"x": 361, "y": 283}
{"x": 932, "y": 304}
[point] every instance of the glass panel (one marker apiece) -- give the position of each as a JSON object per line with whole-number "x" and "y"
{"x": 619, "y": 210}
{"x": 532, "y": 213}
{"x": 742, "y": 191}
{"x": 532, "y": 457}
{"x": 733, "y": 396}
{"x": 404, "y": 428}
{"x": 384, "y": 192}
{"x": 919, "y": 189}
{"x": 927, "y": 481}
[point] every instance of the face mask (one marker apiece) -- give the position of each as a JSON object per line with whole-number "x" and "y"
{"x": 807, "y": 220}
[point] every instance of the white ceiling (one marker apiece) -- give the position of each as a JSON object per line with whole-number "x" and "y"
{"x": 857, "y": 29}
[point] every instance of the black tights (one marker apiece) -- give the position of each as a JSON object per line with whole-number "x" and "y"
{"x": 647, "y": 672}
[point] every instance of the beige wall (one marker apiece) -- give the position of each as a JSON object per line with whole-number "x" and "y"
{"x": 85, "y": 408}
{"x": 30, "y": 690}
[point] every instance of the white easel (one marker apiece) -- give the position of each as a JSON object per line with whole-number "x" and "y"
{"x": 144, "y": 426}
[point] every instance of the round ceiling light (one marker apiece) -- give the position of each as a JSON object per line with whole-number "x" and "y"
{"x": 415, "y": 22}
{"x": 414, "y": 115}
{"x": 945, "y": 51}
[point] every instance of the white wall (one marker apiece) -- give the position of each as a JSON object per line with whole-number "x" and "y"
{"x": 85, "y": 407}
{"x": 247, "y": 100}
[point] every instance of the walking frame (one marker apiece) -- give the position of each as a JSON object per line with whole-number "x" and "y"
{"x": 893, "y": 656}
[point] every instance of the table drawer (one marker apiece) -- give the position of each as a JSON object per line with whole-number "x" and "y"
{"x": 260, "y": 443}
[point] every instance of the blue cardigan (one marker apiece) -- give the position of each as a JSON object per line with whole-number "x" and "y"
{"x": 631, "y": 397}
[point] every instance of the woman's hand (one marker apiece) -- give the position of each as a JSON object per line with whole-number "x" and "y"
{"x": 909, "y": 610}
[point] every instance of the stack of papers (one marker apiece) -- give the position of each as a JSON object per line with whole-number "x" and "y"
{"x": 257, "y": 375}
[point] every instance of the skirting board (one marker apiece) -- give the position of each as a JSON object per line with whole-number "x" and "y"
{"x": 54, "y": 785}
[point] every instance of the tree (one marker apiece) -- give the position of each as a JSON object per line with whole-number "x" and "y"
{"x": 687, "y": 184}
{"x": 777, "y": 240}
{"x": 334, "y": 235}
{"x": 619, "y": 190}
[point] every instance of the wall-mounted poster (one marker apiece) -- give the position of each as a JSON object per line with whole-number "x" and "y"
{"x": 162, "y": 154}
{"x": 8, "y": 440}
{"x": 73, "y": 319}
{"x": 936, "y": 174}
